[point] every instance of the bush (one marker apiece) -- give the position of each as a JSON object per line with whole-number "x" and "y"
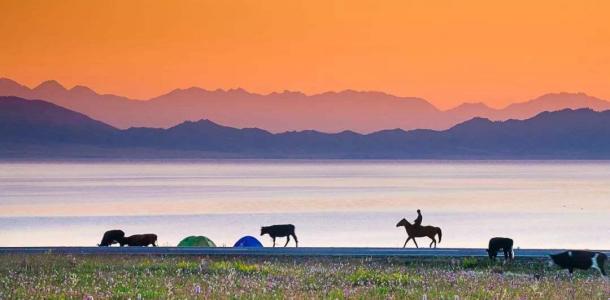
{"x": 470, "y": 263}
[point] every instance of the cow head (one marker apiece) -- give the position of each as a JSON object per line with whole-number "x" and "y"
{"x": 560, "y": 259}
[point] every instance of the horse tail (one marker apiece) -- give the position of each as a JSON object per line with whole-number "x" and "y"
{"x": 440, "y": 234}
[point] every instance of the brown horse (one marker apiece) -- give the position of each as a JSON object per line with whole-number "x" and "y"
{"x": 420, "y": 231}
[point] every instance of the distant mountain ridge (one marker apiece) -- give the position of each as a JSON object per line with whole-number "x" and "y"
{"x": 362, "y": 112}
{"x": 38, "y": 129}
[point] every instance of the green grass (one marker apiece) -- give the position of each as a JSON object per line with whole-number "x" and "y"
{"x": 52, "y": 276}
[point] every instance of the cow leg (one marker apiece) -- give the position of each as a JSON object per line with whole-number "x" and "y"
{"x": 287, "y": 240}
{"x": 597, "y": 268}
{"x": 296, "y": 241}
{"x": 598, "y": 264}
{"x": 405, "y": 245}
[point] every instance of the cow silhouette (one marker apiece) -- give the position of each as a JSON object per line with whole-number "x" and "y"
{"x": 497, "y": 243}
{"x": 112, "y": 237}
{"x": 580, "y": 259}
{"x": 285, "y": 230}
{"x": 141, "y": 240}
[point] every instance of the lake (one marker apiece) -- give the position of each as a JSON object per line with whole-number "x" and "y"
{"x": 540, "y": 204}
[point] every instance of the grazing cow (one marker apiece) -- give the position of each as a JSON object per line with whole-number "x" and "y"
{"x": 580, "y": 259}
{"x": 141, "y": 240}
{"x": 498, "y": 243}
{"x": 286, "y": 230}
{"x": 111, "y": 237}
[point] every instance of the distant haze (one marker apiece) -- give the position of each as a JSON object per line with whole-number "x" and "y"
{"x": 447, "y": 52}
{"x": 360, "y": 111}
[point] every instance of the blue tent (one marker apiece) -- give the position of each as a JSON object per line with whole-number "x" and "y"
{"x": 248, "y": 241}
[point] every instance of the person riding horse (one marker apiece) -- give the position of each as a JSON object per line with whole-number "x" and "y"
{"x": 417, "y": 221}
{"x": 416, "y": 230}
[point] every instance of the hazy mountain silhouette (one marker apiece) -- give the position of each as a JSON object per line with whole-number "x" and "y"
{"x": 38, "y": 129}
{"x": 362, "y": 112}
{"x": 36, "y": 121}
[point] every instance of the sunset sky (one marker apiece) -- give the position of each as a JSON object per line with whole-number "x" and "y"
{"x": 447, "y": 52}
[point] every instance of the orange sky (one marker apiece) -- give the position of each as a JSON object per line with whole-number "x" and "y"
{"x": 445, "y": 51}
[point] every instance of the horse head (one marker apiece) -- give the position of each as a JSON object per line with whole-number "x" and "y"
{"x": 403, "y": 222}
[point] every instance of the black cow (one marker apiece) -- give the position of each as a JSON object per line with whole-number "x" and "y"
{"x": 286, "y": 230}
{"x": 580, "y": 259}
{"x": 498, "y": 243}
{"x": 141, "y": 240}
{"x": 111, "y": 237}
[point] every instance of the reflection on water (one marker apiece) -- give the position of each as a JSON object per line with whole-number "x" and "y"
{"x": 333, "y": 203}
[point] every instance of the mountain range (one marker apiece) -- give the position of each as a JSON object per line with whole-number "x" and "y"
{"x": 40, "y": 129}
{"x": 357, "y": 111}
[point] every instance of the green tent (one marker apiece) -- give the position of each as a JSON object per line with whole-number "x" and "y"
{"x": 196, "y": 241}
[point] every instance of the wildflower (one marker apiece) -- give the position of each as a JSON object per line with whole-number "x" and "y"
{"x": 139, "y": 297}
{"x": 346, "y": 293}
{"x": 87, "y": 297}
{"x": 197, "y": 289}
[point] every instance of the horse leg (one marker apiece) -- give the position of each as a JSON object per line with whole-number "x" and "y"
{"x": 287, "y": 240}
{"x": 273, "y": 242}
{"x": 433, "y": 242}
{"x": 414, "y": 241}
{"x": 405, "y": 245}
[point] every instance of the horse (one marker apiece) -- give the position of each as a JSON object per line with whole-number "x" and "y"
{"x": 420, "y": 231}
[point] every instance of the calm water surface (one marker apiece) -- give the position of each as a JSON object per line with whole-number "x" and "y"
{"x": 557, "y": 204}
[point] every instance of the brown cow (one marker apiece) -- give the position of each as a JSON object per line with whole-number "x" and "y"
{"x": 111, "y": 237}
{"x": 141, "y": 240}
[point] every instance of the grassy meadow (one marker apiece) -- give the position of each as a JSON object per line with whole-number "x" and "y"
{"x": 51, "y": 276}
